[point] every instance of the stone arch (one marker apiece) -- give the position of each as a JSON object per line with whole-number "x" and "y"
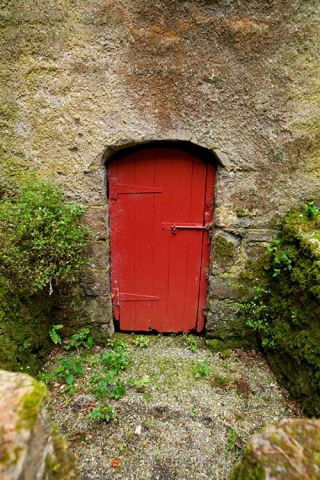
{"x": 218, "y": 156}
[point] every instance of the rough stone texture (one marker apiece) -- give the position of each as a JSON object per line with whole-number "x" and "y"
{"x": 30, "y": 446}
{"x": 80, "y": 80}
{"x": 221, "y": 319}
{"x": 288, "y": 450}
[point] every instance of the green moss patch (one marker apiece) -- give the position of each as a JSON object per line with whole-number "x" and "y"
{"x": 24, "y": 326}
{"x": 286, "y": 310}
{"x": 41, "y": 244}
{"x": 31, "y": 404}
{"x": 287, "y": 450}
{"x": 223, "y": 248}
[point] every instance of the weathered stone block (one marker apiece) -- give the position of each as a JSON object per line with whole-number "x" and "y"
{"x": 263, "y": 235}
{"x": 222, "y": 320}
{"x": 255, "y": 251}
{"x": 98, "y": 252}
{"x": 69, "y": 305}
{"x": 254, "y": 221}
{"x": 98, "y": 312}
{"x": 288, "y": 450}
{"x": 225, "y": 251}
{"x": 96, "y": 282}
{"x": 96, "y": 219}
{"x": 30, "y": 446}
{"x": 224, "y": 288}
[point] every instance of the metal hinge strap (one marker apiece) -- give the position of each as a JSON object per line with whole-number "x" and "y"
{"x": 116, "y": 189}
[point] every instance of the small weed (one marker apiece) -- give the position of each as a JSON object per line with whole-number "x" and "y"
{"x": 102, "y": 385}
{"x": 93, "y": 362}
{"x": 202, "y": 369}
{"x": 104, "y": 414}
{"x": 110, "y": 343}
{"x": 116, "y": 360}
{"x": 69, "y": 368}
{"x": 80, "y": 339}
{"x": 46, "y": 377}
{"x": 140, "y": 384}
{"x": 233, "y": 439}
{"x": 109, "y": 385}
{"x": 120, "y": 345}
{"x": 311, "y": 210}
{"x": 147, "y": 397}
{"x": 118, "y": 390}
{"x": 191, "y": 341}
{"x": 54, "y": 335}
{"x": 195, "y": 411}
{"x": 141, "y": 341}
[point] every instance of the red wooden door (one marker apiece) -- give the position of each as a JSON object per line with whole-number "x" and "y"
{"x": 160, "y": 201}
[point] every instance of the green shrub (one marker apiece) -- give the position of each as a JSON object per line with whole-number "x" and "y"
{"x": 286, "y": 308}
{"x": 24, "y": 325}
{"x": 41, "y": 244}
{"x": 41, "y": 240}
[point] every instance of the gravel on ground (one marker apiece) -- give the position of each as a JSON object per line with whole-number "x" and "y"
{"x": 171, "y": 425}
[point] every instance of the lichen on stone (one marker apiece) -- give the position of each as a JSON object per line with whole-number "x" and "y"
{"x": 289, "y": 449}
{"x": 30, "y": 405}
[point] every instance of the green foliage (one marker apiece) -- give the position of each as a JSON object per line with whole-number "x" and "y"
{"x": 116, "y": 360}
{"x": 80, "y": 339}
{"x": 68, "y": 369}
{"x": 104, "y": 414}
{"x": 258, "y": 316}
{"x": 233, "y": 439}
{"x": 311, "y": 210}
{"x": 201, "y": 370}
{"x": 140, "y": 384}
{"x": 24, "y": 325}
{"x": 101, "y": 387}
{"x": 46, "y": 377}
{"x": 285, "y": 307}
{"x": 191, "y": 341}
{"x": 109, "y": 384}
{"x": 41, "y": 239}
{"x": 118, "y": 390}
{"x": 54, "y": 335}
{"x": 141, "y": 341}
{"x": 41, "y": 242}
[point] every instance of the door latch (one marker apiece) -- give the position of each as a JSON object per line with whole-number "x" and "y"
{"x": 185, "y": 226}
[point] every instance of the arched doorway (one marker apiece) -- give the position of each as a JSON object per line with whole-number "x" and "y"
{"x": 161, "y": 202}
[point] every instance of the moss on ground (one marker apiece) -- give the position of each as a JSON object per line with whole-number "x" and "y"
{"x": 215, "y": 345}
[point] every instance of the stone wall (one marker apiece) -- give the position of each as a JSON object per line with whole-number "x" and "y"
{"x": 30, "y": 446}
{"x": 287, "y": 450}
{"x": 82, "y": 79}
